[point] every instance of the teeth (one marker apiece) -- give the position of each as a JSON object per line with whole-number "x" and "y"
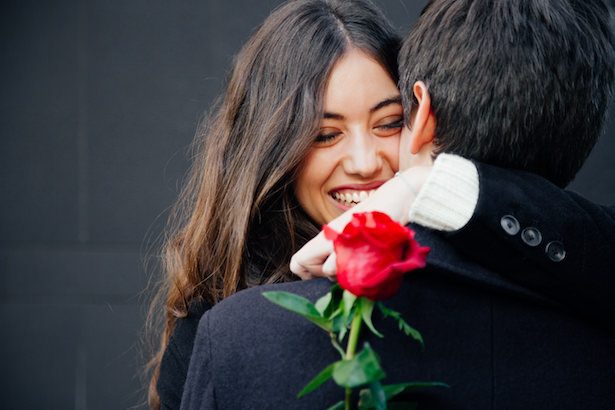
{"x": 352, "y": 198}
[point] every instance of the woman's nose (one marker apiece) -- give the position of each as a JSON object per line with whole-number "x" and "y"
{"x": 363, "y": 157}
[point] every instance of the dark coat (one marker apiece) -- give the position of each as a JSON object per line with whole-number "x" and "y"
{"x": 583, "y": 282}
{"x": 497, "y": 346}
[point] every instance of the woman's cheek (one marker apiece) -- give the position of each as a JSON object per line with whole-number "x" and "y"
{"x": 391, "y": 150}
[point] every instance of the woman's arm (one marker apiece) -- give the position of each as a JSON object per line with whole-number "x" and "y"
{"x": 563, "y": 246}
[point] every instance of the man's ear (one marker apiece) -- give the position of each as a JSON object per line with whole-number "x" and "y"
{"x": 423, "y": 127}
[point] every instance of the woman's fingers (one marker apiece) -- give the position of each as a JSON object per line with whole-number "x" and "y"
{"x": 329, "y": 268}
{"x": 308, "y": 262}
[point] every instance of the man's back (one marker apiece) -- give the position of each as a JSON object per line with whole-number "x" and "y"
{"x": 494, "y": 344}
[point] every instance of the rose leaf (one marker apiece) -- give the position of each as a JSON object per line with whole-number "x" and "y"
{"x": 373, "y": 398}
{"x": 402, "y": 324}
{"x": 298, "y": 305}
{"x": 367, "y": 308}
{"x": 320, "y": 378}
{"x": 337, "y": 406}
{"x": 349, "y": 300}
{"x": 323, "y": 303}
{"x": 362, "y": 369}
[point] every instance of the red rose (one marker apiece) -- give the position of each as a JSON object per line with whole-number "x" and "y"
{"x": 373, "y": 254}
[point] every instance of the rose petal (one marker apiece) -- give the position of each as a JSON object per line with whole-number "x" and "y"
{"x": 374, "y": 253}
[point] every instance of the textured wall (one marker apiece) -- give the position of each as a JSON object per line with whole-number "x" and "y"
{"x": 100, "y": 100}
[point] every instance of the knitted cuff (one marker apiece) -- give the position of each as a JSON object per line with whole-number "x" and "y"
{"x": 448, "y": 198}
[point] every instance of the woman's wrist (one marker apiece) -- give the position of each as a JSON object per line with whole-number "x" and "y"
{"x": 412, "y": 180}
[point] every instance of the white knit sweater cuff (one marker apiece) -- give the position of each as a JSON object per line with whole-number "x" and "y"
{"x": 448, "y": 198}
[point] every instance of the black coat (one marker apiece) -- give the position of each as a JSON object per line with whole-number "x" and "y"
{"x": 582, "y": 282}
{"x": 498, "y": 347}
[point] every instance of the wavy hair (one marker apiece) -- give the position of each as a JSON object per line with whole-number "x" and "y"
{"x": 237, "y": 222}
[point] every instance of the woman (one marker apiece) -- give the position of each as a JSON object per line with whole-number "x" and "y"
{"x": 308, "y": 126}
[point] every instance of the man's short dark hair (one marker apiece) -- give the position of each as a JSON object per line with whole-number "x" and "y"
{"x": 517, "y": 83}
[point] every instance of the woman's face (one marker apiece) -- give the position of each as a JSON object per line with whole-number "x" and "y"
{"x": 357, "y": 146}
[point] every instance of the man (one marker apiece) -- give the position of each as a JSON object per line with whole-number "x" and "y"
{"x": 502, "y": 83}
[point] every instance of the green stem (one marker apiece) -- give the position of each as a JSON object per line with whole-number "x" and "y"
{"x": 352, "y": 346}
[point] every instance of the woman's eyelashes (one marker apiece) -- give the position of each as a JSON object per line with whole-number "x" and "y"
{"x": 386, "y": 129}
{"x": 389, "y": 128}
{"x": 327, "y": 138}
{"x": 392, "y": 125}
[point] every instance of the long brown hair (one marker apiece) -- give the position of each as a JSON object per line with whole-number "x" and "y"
{"x": 237, "y": 222}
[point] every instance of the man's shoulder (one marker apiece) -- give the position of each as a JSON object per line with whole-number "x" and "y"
{"x": 250, "y": 350}
{"x": 253, "y": 297}
{"x": 249, "y": 309}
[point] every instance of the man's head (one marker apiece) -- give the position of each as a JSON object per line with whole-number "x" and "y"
{"x": 517, "y": 83}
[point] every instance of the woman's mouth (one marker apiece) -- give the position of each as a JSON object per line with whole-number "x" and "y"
{"x": 349, "y": 197}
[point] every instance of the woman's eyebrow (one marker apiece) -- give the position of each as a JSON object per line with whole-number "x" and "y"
{"x": 333, "y": 116}
{"x": 384, "y": 103}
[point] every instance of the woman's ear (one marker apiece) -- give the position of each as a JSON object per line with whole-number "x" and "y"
{"x": 423, "y": 126}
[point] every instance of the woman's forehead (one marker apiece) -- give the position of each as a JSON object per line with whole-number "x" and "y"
{"x": 357, "y": 83}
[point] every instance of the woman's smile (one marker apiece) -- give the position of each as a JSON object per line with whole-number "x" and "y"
{"x": 345, "y": 197}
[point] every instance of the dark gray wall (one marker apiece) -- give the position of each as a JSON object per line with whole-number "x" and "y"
{"x": 99, "y": 101}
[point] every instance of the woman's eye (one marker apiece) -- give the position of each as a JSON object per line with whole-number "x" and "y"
{"x": 391, "y": 125}
{"x": 323, "y": 139}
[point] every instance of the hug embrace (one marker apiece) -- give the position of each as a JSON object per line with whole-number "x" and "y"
{"x": 468, "y": 129}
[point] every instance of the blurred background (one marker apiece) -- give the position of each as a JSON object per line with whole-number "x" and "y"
{"x": 100, "y": 101}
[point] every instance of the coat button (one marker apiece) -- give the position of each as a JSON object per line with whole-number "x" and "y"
{"x": 510, "y": 224}
{"x": 531, "y": 236}
{"x": 556, "y": 252}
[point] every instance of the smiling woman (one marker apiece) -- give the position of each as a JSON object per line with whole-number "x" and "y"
{"x": 357, "y": 147}
{"x": 308, "y": 125}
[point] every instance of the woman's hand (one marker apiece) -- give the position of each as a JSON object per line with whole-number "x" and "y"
{"x": 395, "y": 197}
